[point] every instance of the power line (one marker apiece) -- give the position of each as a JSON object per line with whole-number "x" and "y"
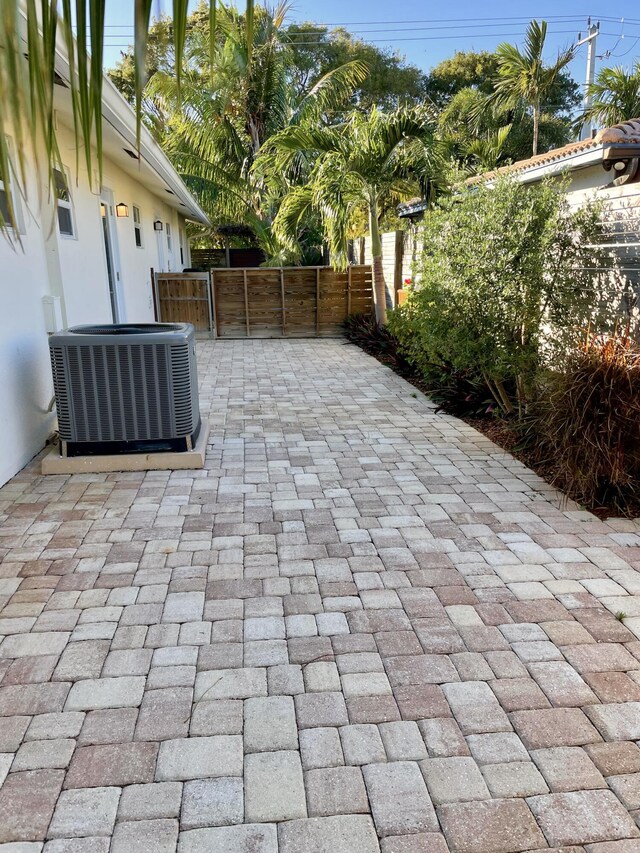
{"x": 474, "y": 21}
{"x": 618, "y": 55}
{"x": 416, "y": 38}
{"x": 312, "y": 32}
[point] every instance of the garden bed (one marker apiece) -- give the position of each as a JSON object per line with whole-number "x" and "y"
{"x": 503, "y": 434}
{"x": 500, "y": 431}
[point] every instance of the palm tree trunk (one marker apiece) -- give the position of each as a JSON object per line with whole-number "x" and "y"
{"x": 379, "y": 286}
{"x": 536, "y": 128}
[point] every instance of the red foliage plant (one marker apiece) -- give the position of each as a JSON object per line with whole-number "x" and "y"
{"x": 587, "y": 422}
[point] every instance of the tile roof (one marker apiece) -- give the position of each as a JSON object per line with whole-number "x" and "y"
{"x": 625, "y": 133}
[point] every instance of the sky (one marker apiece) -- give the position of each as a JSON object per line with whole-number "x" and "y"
{"x": 427, "y": 32}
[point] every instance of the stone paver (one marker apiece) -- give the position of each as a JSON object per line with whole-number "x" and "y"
{"x": 399, "y": 800}
{"x": 85, "y": 811}
{"x": 494, "y": 826}
{"x": 274, "y": 787}
{"x": 360, "y": 627}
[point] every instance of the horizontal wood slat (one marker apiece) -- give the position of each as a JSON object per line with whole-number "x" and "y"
{"x": 184, "y": 298}
{"x": 288, "y": 301}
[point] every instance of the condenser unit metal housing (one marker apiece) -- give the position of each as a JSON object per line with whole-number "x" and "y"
{"x": 126, "y": 388}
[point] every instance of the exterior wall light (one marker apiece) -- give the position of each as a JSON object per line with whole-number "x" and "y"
{"x": 122, "y": 210}
{"x": 157, "y": 225}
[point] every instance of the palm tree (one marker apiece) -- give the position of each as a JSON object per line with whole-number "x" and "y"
{"x": 615, "y": 96}
{"x": 371, "y": 161}
{"x": 486, "y": 151}
{"x": 523, "y": 76}
{"x": 214, "y": 130}
{"x": 29, "y": 35}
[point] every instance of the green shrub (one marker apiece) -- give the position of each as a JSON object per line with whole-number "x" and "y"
{"x": 588, "y": 422}
{"x": 457, "y": 392}
{"x": 505, "y": 282}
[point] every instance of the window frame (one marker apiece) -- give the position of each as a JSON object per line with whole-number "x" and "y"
{"x": 137, "y": 227}
{"x": 167, "y": 226}
{"x": 9, "y": 191}
{"x": 66, "y": 205}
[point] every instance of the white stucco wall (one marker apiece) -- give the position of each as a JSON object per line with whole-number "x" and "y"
{"x": 48, "y": 264}
{"x": 82, "y": 258}
{"x": 25, "y": 383}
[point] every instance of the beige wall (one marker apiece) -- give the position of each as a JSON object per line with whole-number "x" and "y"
{"x": 389, "y": 256}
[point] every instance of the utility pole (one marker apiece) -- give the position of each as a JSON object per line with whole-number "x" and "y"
{"x": 593, "y": 31}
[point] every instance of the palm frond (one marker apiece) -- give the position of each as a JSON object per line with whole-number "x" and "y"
{"x": 523, "y": 74}
{"x": 615, "y": 95}
{"x": 332, "y": 90}
{"x": 28, "y": 54}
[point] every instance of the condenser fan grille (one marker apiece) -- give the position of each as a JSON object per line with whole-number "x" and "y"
{"x": 125, "y": 388}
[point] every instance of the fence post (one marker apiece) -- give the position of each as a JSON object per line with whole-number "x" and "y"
{"x": 209, "y": 301}
{"x": 284, "y": 319}
{"x": 349, "y": 290}
{"x": 214, "y": 298}
{"x": 154, "y": 295}
{"x": 317, "y": 300}
{"x": 246, "y": 302}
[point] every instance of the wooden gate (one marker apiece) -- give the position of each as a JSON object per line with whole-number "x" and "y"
{"x": 184, "y": 298}
{"x": 267, "y": 302}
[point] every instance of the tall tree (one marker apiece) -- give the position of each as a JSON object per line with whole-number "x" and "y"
{"x": 470, "y": 128}
{"x": 360, "y": 167}
{"x": 465, "y": 69}
{"x": 214, "y": 130}
{"x": 468, "y": 69}
{"x": 615, "y": 95}
{"x": 523, "y": 75}
{"x": 391, "y": 81}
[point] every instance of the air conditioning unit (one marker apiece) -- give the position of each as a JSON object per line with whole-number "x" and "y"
{"x": 126, "y": 388}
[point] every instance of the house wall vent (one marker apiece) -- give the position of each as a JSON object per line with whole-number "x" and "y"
{"x": 126, "y": 388}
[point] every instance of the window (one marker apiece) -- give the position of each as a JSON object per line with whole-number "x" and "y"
{"x": 181, "y": 240}
{"x": 8, "y": 199}
{"x": 137, "y": 227}
{"x": 4, "y": 201}
{"x": 169, "y": 237}
{"x": 63, "y": 203}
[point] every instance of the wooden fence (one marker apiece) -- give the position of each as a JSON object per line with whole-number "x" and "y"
{"x": 266, "y": 302}
{"x": 184, "y": 298}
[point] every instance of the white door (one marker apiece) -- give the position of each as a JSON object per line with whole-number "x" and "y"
{"x": 111, "y": 256}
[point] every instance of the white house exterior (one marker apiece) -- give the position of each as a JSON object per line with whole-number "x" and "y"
{"x": 77, "y": 262}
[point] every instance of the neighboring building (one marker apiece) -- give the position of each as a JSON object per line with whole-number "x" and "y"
{"x": 606, "y": 167}
{"x": 76, "y": 261}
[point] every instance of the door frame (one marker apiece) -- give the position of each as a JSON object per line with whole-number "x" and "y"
{"x": 160, "y": 242}
{"x": 117, "y": 302}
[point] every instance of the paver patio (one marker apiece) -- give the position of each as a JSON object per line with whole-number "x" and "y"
{"x": 362, "y": 627}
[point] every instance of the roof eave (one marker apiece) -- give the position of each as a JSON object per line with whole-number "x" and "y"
{"x": 572, "y": 162}
{"x": 119, "y": 114}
